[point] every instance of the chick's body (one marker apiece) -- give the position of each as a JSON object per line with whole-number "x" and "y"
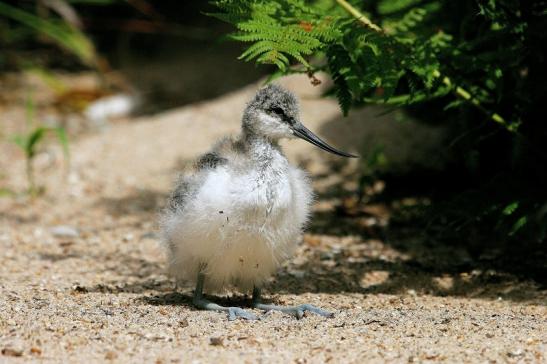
{"x": 238, "y": 215}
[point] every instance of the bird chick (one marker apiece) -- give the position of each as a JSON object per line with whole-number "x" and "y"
{"x": 242, "y": 210}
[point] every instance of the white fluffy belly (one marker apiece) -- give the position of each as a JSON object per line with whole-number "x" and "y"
{"x": 238, "y": 229}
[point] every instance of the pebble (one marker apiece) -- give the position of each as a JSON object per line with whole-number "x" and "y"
{"x": 216, "y": 341}
{"x": 515, "y": 353}
{"x": 36, "y": 351}
{"x": 326, "y": 255}
{"x": 297, "y": 273}
{"x": 110, "y": 355}
{"x": 64, "y": 231}
{"x": 12, "y": 352}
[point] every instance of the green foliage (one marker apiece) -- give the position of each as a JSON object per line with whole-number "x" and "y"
{"x": 410, "y": 58}
{"x": 400, "y": 64}
{"x": 30, "y": 142}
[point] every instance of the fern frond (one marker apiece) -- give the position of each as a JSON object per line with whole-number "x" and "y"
{"x": 339, "y": 65}
{"x": 410, "y": 20}
{"x": 387, "y": 7}
{"x": 278, "y": 30}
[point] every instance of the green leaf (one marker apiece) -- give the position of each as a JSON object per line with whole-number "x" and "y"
{"x": 62, "y": 33}
{"x": 509, "y": 209}
{"x": 386, "y": 7}
{"x": 33, "y": 140}
{"x": 519, "y": 224}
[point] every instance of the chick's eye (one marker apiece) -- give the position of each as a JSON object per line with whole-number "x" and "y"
{"x": 277, "y": 111}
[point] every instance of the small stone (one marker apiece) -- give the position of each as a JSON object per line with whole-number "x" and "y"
{"x": 299, "y": 274}
{"x": 312, "y": 240}
{"x": 149, "y": 235}
{"x": 430, "y": 355}
{"x": 515, "y": 353}
{"x": 183, "y": 323}
{"x": 531, "y": 341}
{"x": 110, "y": 355}
{"x": 73, "y": 178}
{"x": 66, "y": 244}
{"x": 79, "y": 289}
{"x": 36, "y": 351}
{"x": 64, "y": 231}
{"x": 12, "y": 352}
{"x": 326, "y": 255}
{"x": 216, "y": 341}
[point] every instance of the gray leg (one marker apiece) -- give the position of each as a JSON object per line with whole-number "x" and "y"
{"x": 296, "y": 311}
{"x": 202, "y": 303}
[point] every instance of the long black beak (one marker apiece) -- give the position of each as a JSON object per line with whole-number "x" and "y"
{"x": 304, "y": 133}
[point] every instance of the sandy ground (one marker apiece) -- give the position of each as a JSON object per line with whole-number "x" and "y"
{"x": 98, "y": 291}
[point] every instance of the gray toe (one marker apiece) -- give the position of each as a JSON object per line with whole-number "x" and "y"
{"x": 235, "y": 312}
{"x": 300, "y": 310}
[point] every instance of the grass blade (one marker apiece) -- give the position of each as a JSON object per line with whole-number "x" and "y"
{"x": 63, "y": 34}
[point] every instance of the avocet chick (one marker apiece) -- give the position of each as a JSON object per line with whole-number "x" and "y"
{"x": 241, "y": 213}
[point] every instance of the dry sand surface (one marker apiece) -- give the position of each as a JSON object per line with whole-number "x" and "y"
{"x": 82, "y": 276}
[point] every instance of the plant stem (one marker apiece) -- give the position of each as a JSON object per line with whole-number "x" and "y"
{"x": 358, "y": 15}
{"x": 466, "y": 95}
{"x": 459, "y": 91}
{"x": 30, "y": 176}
